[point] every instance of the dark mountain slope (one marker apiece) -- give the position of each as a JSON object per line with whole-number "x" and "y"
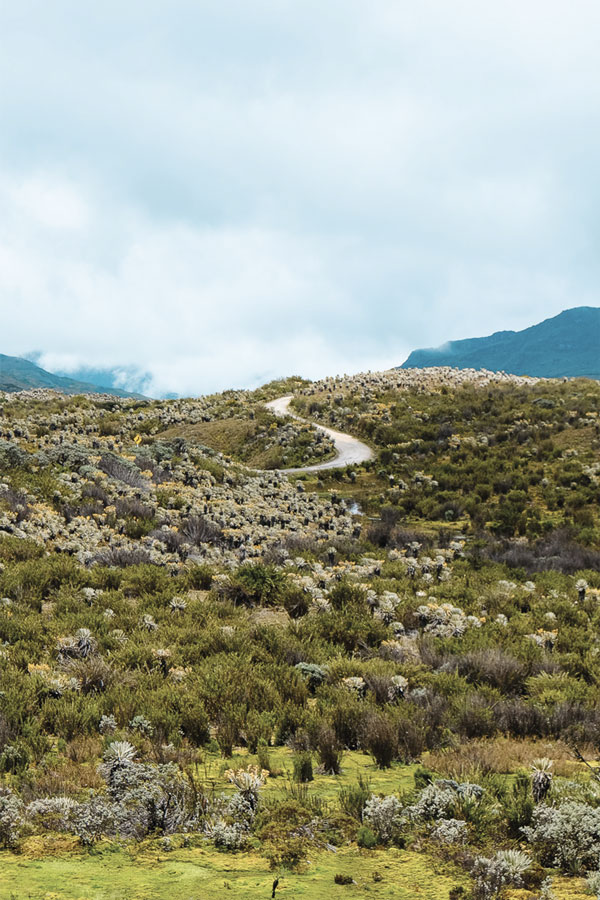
{"x": 566, "y": 345}
{"x": 18, "y": 374}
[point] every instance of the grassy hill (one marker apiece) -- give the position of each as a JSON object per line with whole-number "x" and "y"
{"x": 17, "y": 374}
{"x": 565, "y": 345}
{"x": 212, "y": 677}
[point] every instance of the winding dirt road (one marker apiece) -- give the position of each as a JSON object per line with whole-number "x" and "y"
{"x": 350, "y": 451}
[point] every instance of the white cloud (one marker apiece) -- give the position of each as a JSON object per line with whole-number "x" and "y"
{"x": 218, "y": 195}
{"x": 49, "y": 204}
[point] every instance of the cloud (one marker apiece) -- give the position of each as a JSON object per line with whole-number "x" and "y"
{"x": 220, "y": 195}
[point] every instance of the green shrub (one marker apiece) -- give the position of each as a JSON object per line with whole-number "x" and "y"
{"x": 303, "y": 767}
{"x": 34, "y": 580}
{"x": 263, "y": 756}
{"x": 329, "y": 750}
{"x": 381, "y": 739}
{"x": 422, "y": 777}
{"x": 518, "y": 804}
{"x": 14, "y": 549}
{"x": 366, "y": 837}
{"x": 256, "y": 584}
{"x": 199, "y": 578}
{"x": 352, "y": 797}
{"x": 194, "y": 721}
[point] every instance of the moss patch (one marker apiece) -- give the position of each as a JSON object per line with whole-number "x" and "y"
{"x": 200, "y": 873}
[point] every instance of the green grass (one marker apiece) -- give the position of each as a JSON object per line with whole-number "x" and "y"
{"x": 147, "y": 873}
{"x": 326, "y": 787}
{"x": 195, "y": 874}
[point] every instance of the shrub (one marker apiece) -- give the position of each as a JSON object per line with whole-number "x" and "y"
{"x": 556, "y": 551}
{"x": 14, "y": 758}
{"x": 436, "y": 801}
{"x": 283, "y": 831}
{"x": 347, "y": 717}
{"x": 11, "y": 818}
{"x": 194, "y": 721}
{"x": 476, "y": 718}
{"x": 520, "y": 719}
{"x": 506, "y": 868}
{"x": 14, "y": 549}
{"x": 122, "y": 470}
{"x": 255, "y": 583}
{"x": 94, "y": 675}
{"x": 197, "y": 530}
{"x": 303, "y": 767}
{"x": 450, "y": 831}
{"x": 384, "y": 816}
{"x": 380, "y": 739}
{"x": 493, "y": 666}
{"x": 228, "y": 837}
{"x": 122, "y": 558}
{"x": 346, "y": 594}
{"x": 366, "y": 837}
{"x": 519, "y": 804}
{"x": 567, "y": 836}
{"x": 52, "y": 813}
{"x": 353, "y": 797}
{"x": 263, "y": 757}
{"x": 422, "y": 777}
{"x": 417, "y": 730}
{"x": 199, "y": 578}
{"x": 329, "y": 750}
{"x": 34, "y": 580}
{"x": 289, "y": 852}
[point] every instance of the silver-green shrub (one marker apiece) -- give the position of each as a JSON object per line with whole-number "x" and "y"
{"x": 384, "y": 816}
{"x": 567, "y": 836}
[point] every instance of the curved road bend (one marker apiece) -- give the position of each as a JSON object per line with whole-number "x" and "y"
{"x": 350, "y": 451}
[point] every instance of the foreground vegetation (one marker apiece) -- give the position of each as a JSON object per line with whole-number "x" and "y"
{"x": 214, "y": 675}
{"x": 147, "y": 873}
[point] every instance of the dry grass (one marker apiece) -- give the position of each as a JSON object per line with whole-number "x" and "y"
{"x": 66, "y": 777}
{"x": 227, "y": 435}
{"x": 502, "y": 755}
{"x": 84, "y": 748}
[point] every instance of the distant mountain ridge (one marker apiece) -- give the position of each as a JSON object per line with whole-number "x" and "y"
{"x": 567, "y": 345}
{"x": 17, "y": 374}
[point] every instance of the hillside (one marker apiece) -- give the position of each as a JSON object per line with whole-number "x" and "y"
{"x": 565, "y": 345}
{"x": 348, "y": 682}
{"x": 17, "y": 374}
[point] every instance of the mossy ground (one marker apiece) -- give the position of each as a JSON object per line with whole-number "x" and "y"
{"x": 55, "y": 868}
{"x": 114, "y": 873}
{"x": 194, "y": 874}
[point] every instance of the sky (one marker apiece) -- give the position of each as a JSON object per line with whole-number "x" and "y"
{"x": 208, "y": 195}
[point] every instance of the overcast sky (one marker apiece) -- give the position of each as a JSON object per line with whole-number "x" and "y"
{"x": 218, "y": 193}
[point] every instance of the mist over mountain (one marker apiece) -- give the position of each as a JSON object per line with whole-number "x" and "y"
{"x": 17, "y": 374}
{"x": 565, "y": 345}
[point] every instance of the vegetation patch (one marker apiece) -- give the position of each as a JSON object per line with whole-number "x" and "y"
{"x": 213, "y": 678}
